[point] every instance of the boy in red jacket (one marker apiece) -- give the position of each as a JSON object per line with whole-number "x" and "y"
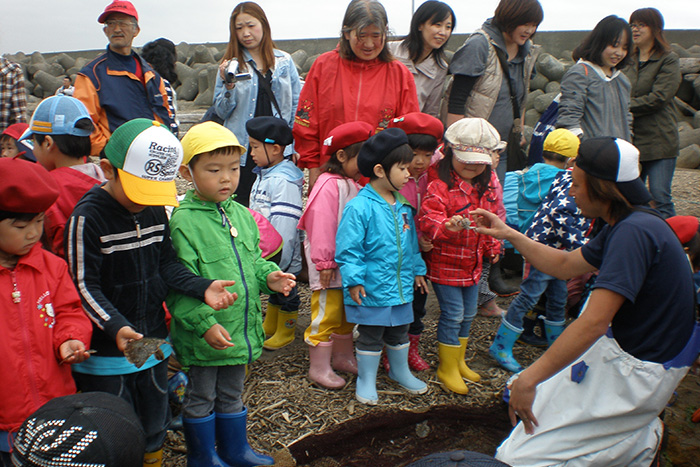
{"x": 43, "y": 328}
{"x": 60, "y": 129}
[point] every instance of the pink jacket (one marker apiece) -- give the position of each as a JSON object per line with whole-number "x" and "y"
{"x": 270, "y": 239}
{"x": 320, "y": 220}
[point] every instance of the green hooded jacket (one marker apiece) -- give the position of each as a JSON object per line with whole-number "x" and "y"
{"x": 218, "y": 241}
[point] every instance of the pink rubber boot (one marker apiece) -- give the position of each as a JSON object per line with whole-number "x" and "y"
{"x": 320, "y": 371}
{"x": 344, "y": 353}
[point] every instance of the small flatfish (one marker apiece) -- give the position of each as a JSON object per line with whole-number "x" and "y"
{"x": 138, "y": 351}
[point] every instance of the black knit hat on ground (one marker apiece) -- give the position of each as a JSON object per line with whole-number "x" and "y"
{"x": 86, "y": 429}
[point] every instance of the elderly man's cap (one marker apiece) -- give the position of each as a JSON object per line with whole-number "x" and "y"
{"x": 118, "y": 6}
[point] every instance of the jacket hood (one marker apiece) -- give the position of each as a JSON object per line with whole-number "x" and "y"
{"x": 370, "y": 193}
{"x": 285, "y": 169}
{"x": 194, "y": 203}
{"x": 496, "y": 36}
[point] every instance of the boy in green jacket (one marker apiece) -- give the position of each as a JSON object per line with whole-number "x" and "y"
{"x": 214, "y": 236}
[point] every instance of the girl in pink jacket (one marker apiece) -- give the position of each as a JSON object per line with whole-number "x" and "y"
{"x": 329, "y": 335}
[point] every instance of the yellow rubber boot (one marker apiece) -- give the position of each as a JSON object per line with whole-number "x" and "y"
{"x": 286, "y": 323}
{"x": 448, "y": 370}
{"x": 270, "y": 321}
{"x": 153, "y": 459}
{"x": 464, "y": 370}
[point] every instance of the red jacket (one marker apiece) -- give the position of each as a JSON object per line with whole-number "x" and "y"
{"x": 31, "y": 331}
{"x": 73, "y": 184}
{"x": 456, "y": 257}
{"x": 339, "y": 91}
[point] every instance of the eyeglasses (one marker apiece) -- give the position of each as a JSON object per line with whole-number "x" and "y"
{"x": 119, "y": 22}
{"x": 637, "y": 25}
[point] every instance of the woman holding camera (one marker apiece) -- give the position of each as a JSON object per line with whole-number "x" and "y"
{"x": 254, "y": 80}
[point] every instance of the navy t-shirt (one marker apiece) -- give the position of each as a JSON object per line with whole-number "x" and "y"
{"x": 641, "y": 259}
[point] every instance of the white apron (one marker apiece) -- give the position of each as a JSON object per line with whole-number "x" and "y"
{"x": 610, "y": 418}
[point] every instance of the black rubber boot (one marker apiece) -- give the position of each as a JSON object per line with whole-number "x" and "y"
{"x": 533, "y": 332}
{"x": 498, "y": 285}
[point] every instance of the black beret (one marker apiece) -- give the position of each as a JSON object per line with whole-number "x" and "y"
{"x": 271, "y": 130}
{"x": 377, "y": 147}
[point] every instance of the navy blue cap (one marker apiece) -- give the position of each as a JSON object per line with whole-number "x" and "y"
{"x": 377, "y": 147}
{"x": 270, "y": 130}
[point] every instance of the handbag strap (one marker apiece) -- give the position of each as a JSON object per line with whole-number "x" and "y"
{"x": 266, "y": 87}
{"x": 513, "y": 99}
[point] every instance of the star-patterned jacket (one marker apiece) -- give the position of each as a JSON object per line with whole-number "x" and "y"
{"x": 558, "y": 222}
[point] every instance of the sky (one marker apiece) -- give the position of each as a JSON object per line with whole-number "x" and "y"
{"x": 68, "y": 25}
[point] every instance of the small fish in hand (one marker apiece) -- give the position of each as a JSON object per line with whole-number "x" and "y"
{"x": 138, "y": 351}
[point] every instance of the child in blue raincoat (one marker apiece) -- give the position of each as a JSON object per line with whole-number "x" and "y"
{"x": 377, "y": 252}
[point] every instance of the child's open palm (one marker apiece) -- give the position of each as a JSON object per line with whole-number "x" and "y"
{"x": 279, "y": 281}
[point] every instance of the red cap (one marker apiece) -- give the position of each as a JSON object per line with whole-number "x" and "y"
{"x": 26, "y": 187}
{"x": 685, "y": 227}
{"x": 346, "y": 135}
{"x": 15, "y": 130}
{"x": 418, "y": 123}
{"x": 118, "y": 6}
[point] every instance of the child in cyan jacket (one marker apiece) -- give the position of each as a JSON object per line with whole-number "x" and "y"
{"x": 424, "y": 134}
{"x": 43, "y": 329}
{"x": 454, "y": 263}
{"x": 557, "y": 223}
{"x": 329, "y": 334}
{"x": 377, "y": 251}
{"x": 276, "y": 194}
{"x": 121, "y": 259}
{"x": 214, "y": 236}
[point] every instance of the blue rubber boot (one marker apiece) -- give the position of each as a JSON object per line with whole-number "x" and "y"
{"x": 232, "y": 441}
{"x": 502, "y": 348}
{"x": 366, "y": 385}
{"x": 199, "y": 437}
{"x": 399, "y": 371}
{"x": 553, "y": 330}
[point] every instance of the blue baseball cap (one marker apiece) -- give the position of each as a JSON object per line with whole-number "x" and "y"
{"x": 57, "y": 115}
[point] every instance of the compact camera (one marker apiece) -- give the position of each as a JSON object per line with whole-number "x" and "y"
{"x": 233, "y": 75}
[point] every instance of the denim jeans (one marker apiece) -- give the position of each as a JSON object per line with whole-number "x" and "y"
{"x": 531, "y": 289}
{"x": 660, "y": 174}
{"x": 457, "y": 310}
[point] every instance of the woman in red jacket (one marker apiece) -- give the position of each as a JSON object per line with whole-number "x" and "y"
{"x": 358, "y": 81}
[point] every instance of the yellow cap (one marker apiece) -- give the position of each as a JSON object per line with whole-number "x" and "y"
{"x": 563, "y": 142}
{"x": 206, "y": 137}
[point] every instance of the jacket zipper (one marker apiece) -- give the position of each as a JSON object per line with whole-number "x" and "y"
{"x": 141, "y": 296}
{"x": 27, "y": 345}
{"x": 398, "y": 247}
{"x": 227, "y": 222}
{"x": 359, "y": 93}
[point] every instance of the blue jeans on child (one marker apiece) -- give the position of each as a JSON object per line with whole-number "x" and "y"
{"x": 457, "y": 311}
{"x": 531, "y": 289}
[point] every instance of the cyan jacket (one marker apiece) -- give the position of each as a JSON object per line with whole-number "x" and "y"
{"x": 202, "y": 234}
{"x": 533, "y": 186}
{"x": 377, "y": 247}
{"x": 276, "y": 194}
{"x": 113, "y": 94}
{"x": 239, "y": 106}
